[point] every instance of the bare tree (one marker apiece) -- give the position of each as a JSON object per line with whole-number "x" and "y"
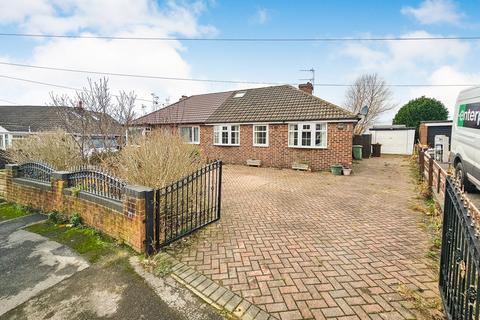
{"x": 125, "y": 110}
{"x": 368, "y": 90}
{"x": 93, "y": 118}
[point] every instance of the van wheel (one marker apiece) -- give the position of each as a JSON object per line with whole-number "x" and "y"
{"x": 462, "y": 176}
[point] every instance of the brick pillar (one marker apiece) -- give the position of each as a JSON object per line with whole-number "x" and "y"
{"x": 59, "y": 182}
{"x": 138, "y": 206}
{"x": 11, "y": 171}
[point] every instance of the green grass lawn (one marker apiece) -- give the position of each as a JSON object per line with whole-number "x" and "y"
{"x": 12, "y": 210}
{"x": 86, "y": 241}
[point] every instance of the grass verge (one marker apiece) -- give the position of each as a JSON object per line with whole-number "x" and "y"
{"x": 430, "y": 308}
{"x": 10, "y": 210}
{"x": 88, "y": 242}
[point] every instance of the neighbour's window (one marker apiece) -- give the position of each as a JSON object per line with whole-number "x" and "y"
{"x": 307, "y": 135}
{"x": 226, "y": 135}
{"x": 190, "y": 134}
{"x": 260, "y": 135}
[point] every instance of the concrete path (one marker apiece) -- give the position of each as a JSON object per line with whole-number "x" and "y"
{"x": 30, "y": 263}
{"x": 32, "y": 268}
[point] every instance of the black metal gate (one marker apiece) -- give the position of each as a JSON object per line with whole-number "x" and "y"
{"x": 460, "y": 258}
{"x": 187, "y": 205}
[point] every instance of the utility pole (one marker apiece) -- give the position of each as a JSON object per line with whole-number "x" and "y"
{"x": 312, "y": 79}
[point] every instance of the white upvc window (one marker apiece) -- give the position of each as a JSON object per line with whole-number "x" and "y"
{"x": 307, "y": 135}
{"x": 226, "y": 135}
{"x": 260, "y": 135}
{"x": 190, "y": 134}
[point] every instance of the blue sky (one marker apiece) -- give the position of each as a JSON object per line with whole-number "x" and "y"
{"x": 420, "y": 62}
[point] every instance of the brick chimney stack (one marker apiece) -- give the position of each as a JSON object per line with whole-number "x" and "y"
{"x": 306, "y": 87}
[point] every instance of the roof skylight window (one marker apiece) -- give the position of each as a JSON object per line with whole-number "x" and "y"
{"x": 239, "y": 94}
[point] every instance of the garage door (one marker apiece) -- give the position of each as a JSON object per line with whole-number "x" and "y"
{"x": 394, "y": 141}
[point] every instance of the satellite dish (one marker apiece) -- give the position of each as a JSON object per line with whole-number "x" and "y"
{"x": 363, "y": 111}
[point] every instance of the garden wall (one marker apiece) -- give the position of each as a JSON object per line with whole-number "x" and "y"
{"x": 122, "y": 219}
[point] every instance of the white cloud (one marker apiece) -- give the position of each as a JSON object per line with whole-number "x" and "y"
{"x": 446, "y": 74}
{"x": 435, "y": 12}
{"x": 414, "y": 62}
{"x": 262, "y": 16}
{"x": 128, "y": 18}
{"x": 394, "y": 56}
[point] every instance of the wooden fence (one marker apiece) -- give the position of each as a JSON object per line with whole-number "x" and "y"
{"x": 433, "y": 173}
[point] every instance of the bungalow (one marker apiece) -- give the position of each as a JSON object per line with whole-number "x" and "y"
{"x": 17, "y": 122}
{"x": 278, "y": 126}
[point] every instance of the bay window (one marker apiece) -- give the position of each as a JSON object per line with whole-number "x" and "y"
{"x": 226, "y": 135}
{"x": 307, "y": 135}
{"x": 190, "y": 134}
{"x": 260, "y": 135}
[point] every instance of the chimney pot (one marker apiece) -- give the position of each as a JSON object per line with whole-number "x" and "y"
{"x": 306, "y": 87}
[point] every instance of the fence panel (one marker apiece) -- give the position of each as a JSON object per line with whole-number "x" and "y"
{"x": 36, "y": 171}
{"x": 96, "y": 181}
{"x": 185, "y": 206}
{"x": 460, "y": 257}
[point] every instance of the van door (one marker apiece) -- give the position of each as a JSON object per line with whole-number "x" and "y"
{"x": 468, "y": 136}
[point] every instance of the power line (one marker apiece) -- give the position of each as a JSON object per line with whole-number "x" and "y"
{"x": 200, "y": 80}
{"x": 309, "y": 39}
{"x": 56, "y": 85}
{"x": 136, "y": 75}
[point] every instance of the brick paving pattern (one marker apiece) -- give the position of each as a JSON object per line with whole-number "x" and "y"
{"x": 303, "y": 245}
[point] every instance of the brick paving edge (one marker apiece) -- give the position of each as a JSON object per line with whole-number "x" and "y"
{"x": 214, "y": 294}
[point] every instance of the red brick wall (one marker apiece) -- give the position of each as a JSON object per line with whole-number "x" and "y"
{"x": 119, "y": 225}
{"x": 278, "y": 154}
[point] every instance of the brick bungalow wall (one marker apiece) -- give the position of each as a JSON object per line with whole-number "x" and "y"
{"x": 123, "y": 220}
{"x": 278, "y": 154}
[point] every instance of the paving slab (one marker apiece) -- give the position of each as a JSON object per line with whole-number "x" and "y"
{"x": 314, "y": 245}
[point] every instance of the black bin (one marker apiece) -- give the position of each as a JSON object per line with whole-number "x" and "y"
{"x": 376, "y": 149}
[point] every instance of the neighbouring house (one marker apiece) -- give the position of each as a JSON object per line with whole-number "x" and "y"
{"x": 395, "y": 139}
{"x": 429, "y": 129}
{"x": 17, "y": 122}
{"x": 276, "y": 126}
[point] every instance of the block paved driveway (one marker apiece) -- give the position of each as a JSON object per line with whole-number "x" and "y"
{"x": 312, "y": 245}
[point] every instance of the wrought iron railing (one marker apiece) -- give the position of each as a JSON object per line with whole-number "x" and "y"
{"x": 185, "y": 206}
{"x": 35, "y": 170}
{"x": 96, "y": 181}
{"x": 460, "y": 256}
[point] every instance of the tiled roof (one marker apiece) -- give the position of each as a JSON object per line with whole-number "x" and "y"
{"x": 279, "y": 103}
{"x": 267, "y": 104}
{"x": 194, "y": 109}
{"x": 46, "y": 118}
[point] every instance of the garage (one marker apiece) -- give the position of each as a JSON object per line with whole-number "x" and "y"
{"x": 395, "y": 139}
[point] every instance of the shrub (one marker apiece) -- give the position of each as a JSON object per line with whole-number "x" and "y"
{"x": 56, "y": 217}
{"x": 157, "y": 159}
{"x": 75, "y": 220}
{"x": 57, "y": 148}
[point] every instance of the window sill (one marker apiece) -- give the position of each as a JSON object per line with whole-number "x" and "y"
{"x": 193, "y": 142}
{"x": 226, "y": 145}
{"x": 307, "y": 147}
{"x": 261, "y": 145}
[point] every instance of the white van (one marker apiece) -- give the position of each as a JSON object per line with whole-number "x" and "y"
{"x": 465, "y": 145}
